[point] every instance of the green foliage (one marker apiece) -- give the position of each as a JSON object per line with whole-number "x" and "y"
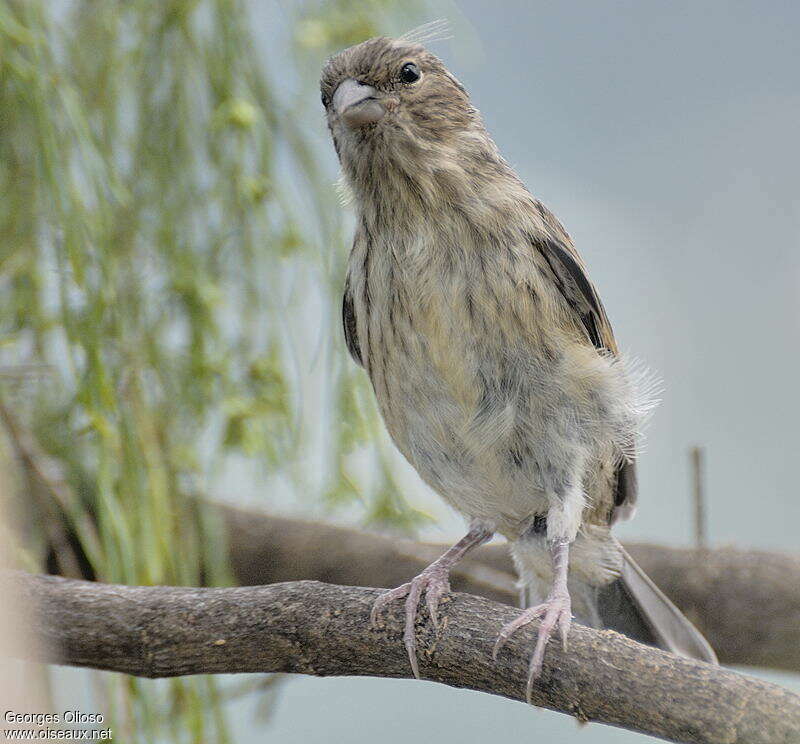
{"x": 164, "y": 224}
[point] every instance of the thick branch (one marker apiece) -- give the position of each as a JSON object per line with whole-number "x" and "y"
{"x": 313, "y": 628}
{"x": 747, "y": 603}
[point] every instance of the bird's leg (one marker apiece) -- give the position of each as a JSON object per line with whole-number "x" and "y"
{"x": 556, "y": 611}
{"x": 435, "y": 582}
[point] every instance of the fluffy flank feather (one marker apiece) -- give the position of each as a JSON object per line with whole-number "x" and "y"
{"x": 646, "y": 389}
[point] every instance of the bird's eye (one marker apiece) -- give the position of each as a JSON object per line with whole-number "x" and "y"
{"x": 409, "y": 73}
{"x": 325, "y": 100}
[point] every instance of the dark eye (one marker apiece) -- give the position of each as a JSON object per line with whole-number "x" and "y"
{"x": 325, "y": 100}
{"x": 409, "y": 73}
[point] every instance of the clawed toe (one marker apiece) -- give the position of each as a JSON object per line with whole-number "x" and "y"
{"x": 435, "y": 584}
{"x": 386, "y": 599}
{"x": 509, "y": 629}
{"x": 433, "y": 596}
{"x": 556, "y": 612}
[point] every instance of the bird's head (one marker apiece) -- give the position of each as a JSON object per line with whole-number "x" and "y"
{"x": 392, "y": 101}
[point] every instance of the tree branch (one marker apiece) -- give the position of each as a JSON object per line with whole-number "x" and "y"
{"x": 747, "y": 603}
{"x": 313, "y": 628}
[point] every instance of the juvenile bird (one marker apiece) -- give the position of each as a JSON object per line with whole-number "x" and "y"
{"x": 493, "y": 362}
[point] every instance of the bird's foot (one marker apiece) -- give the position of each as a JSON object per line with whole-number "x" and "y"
{"x": 434, "y": 581}
{"x": 556, "y": 612}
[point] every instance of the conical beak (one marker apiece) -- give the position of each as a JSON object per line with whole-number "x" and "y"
{"x": 357, "y": 103}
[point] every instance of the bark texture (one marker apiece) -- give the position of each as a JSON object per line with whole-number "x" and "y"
{"x": 321, "y": 629}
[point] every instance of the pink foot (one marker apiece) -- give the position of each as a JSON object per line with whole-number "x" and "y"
{"x": 555, "y": 612}
{"x": 434, "y": 581}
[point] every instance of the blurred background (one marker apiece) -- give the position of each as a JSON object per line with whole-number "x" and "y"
{"x": 172, "y": 249}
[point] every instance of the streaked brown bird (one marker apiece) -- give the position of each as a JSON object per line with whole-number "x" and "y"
{"x": 492, "y": 359}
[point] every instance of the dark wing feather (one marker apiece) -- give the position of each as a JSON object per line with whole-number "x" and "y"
{"x": 580, "y": 295}
{"x": 625, "y": 492}
{"x": 578, "y": 291}
{"x": 349, "y": 324}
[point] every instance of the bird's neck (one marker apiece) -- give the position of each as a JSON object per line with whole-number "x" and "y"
{"x": 404, "y": 183}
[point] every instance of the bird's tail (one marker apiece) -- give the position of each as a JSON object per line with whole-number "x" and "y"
{"x": 634, "y": 606}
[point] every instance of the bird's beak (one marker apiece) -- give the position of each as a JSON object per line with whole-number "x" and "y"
{"x": 357, "y": 104}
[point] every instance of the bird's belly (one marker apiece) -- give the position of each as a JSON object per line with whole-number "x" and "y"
{"x": 460, "y": 413}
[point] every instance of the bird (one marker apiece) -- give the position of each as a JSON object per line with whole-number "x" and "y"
{"x": 491, "y": 356}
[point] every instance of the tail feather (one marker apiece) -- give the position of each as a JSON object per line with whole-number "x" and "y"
{"x": 634, "y": 606}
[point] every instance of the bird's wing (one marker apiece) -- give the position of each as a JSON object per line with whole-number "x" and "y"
{"x": 349, "y": 324}
{"x": 580, "y": 296}
{"x": 572, "y": 281}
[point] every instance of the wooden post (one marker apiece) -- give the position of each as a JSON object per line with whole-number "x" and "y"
{"x": 698, "y": 496}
